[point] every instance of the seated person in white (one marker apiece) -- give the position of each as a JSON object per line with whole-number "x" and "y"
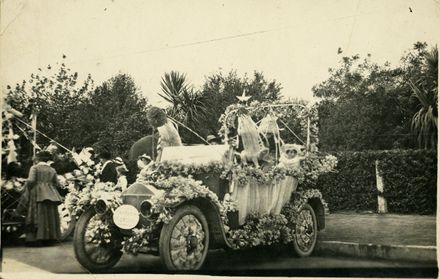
{"x": 122, "y": 178}
{"x": 289, "y": 159}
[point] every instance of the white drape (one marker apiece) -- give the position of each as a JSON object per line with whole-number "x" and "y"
{"x": 259, "y": 198}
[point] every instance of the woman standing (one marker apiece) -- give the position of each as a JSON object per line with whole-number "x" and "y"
{"x": 42, "y": 219}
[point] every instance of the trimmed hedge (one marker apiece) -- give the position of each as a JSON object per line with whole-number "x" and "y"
{"x": 410, "y": 181}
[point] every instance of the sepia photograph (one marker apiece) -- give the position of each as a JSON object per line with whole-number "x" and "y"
{"x": 278, "y": 138}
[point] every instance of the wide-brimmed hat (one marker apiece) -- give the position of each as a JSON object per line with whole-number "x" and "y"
{"x": 118, "y": 161}
{"x": 145, "y": 156}
{"x": 288, "y": 147}
{"x": 44, "y": 156}
{"x": 211, "y": 138}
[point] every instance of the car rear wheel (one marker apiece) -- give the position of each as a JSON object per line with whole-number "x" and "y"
{"x": 184, "y": 241}
{"x": 97, "y": 243}
{"x": 306, "y": 232}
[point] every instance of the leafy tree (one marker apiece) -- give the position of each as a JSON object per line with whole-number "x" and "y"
{"x": 360, "y": 109}
{"x": 111, "y": 116}
{"x": 370, "y": 106}
{"x": 55, "y": 94}
{"x": 221, "y": 90}
{"x": 187, "y": 105}
{"x": 114, "y": 116}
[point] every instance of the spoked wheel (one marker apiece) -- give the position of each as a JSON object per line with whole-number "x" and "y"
{"x": 97, "y": 244}
{"x": 306, "y": 232}
{"x": 184, "y": 241}
{"x": 67, "y": 222}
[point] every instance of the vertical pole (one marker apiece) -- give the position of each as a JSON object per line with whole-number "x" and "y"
{"x": 381, "y": 201}
{"x": 152, "y": 146}
{"x": 34, "y": 130}
{"x": 308, "y": 135}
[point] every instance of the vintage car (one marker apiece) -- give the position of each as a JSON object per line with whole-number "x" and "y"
{"x": 198, "y": 198}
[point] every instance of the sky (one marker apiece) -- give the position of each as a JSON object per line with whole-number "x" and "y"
{"x": 293, "y": 42}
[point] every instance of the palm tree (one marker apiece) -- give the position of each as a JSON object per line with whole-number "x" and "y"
{"x": 425, "y": 90}
{"x": 188, "y": 106}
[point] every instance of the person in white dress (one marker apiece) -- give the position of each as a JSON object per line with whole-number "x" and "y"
{"x": 289, "y": 159}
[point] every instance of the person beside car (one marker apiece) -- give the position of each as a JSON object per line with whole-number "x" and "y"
{"x": 42, "y": 221}
{"x": 108, "y": 168}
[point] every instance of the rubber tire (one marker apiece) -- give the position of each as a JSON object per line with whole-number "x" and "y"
{"x": 165, "y": 235}
{"x": 68, "y": 232}
{"x": 296, "y": 248}
{"x": 79, "y": 241}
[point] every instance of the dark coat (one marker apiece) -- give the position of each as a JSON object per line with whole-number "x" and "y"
{"x": 109, "y": 174}
{"x": 146, "y": 145}
{"x": 44, "y": 179}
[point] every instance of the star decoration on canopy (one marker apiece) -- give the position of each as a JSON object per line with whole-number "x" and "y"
{"x": 243, "y": 97}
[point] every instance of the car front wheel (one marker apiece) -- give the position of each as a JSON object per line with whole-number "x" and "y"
{"x": 96, "y": 242}
{"x": 184, "y": 241}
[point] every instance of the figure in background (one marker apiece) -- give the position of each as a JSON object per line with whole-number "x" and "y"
{"x": 42, "y": 222}
{"x": 121, "y": 170}
{"x": 52, "y": 148}
{"x": 143, "y": 161}
{"x": 107, "y": 172}
{"x": 211, "y": 139}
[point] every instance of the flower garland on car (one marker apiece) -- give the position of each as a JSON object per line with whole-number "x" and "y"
{"x": 269, "y": 229}
{"x": 244, "y": 173}
{"x": 178, "y": 189}
{"x": 261, "y": 230}
{"x": 77, "y": 201}
{"x": 311, "y": 168}
{"x": 175, "y": 190}
{"x": 258, "y": 230}
{"x": 167, "y": 168}
{"x": 139, "y": 239}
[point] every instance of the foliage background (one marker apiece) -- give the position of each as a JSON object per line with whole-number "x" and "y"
{"x": 367, "y": 106}
{"x": 77, "y": 114}
{"x": 410, "y": 181}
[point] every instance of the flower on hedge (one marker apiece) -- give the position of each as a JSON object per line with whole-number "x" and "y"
{"x": 139, "y": 239}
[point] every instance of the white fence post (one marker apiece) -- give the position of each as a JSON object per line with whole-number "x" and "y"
{"x": 381, "y": 201}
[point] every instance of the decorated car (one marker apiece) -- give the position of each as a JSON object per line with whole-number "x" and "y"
{"x": 255, "y": 189}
